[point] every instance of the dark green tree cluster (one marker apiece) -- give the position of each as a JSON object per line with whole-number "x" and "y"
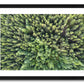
{"x": 42, "y": 42}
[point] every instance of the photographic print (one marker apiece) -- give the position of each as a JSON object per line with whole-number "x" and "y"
{"x": 42, "y": 41}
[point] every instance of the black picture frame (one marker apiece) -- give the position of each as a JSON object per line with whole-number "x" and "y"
{"x": 41, "y": 5}
{"x": 41, "y": 77}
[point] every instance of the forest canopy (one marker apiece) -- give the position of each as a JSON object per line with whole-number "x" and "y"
{"x": 42, "y": 41}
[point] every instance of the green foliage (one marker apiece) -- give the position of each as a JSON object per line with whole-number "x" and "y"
{"x": 42, "y": 42}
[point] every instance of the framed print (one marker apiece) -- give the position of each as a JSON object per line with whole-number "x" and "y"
{"x": 42, "y": 42}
